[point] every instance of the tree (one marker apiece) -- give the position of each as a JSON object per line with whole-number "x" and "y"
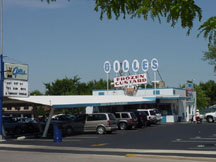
{"x": 36, "y": 93}
{"x": 210, "y": 56}
{"x": 202, "y": 99}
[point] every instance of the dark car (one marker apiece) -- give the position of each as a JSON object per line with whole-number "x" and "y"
{"x": 12, "y": 127}
{"x": 141, "y": 118}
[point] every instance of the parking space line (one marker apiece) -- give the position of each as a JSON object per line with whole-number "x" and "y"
{"x": 102, "y": 144}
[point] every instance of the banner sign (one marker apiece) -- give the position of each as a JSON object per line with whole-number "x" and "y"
{"x": 123, "y": 81}
{"x": 16, "y": 71}
{"x": 15, "y": 88}
{"x": 189, "y": 91}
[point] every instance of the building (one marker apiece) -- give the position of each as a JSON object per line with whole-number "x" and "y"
{"x": 173, "y": 103}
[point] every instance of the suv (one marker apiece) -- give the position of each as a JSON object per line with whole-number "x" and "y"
{"x": 142, "y": 118}
{"x": 97, "y": 122}
{"x": 126, "y": 120}
{"x": 151, "y": 115}
{"x": 158, "y": 115}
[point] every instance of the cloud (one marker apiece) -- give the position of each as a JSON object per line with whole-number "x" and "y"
{"x": 36, "y": 4}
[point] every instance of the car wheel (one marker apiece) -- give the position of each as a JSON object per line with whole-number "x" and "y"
{"x": 69, "y": 131}
{"x": 210, "y": 119}
{"x": 100, "y": 130}
{"x": 122, "y": 126}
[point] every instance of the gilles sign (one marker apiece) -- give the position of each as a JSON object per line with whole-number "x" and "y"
{"x": 136, "y": 79}
{"x": 125, "y": 66}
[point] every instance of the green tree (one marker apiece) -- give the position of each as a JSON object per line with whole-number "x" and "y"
{"x": 36, "y": 93}
{"x": 202, "y": 99}
{"x": 210, "y": 56}
{"x": 210, "y": 90}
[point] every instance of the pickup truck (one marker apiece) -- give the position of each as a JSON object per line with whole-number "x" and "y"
{"x": 210, "y": 117}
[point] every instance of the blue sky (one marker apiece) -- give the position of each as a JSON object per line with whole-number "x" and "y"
{"x": 65, "y": 39}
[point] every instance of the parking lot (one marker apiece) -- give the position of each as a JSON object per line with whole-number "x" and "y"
{"x": 184, "y": 139}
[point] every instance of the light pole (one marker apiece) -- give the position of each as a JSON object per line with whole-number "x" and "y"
{"x": 2, "y": 69}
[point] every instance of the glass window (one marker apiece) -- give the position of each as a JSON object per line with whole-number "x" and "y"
{"x": 124, "y": 115}
{"x": 152, "y": 112}
{"x": 117, "y": 115}
{"x": 90, "y": 117}
{"x": 133, "y": 115}
{"x": 111, "y": 117}
{"x": 101, "y": 117}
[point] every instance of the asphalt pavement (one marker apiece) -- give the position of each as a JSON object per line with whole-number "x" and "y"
{"x": 187, "y": 140}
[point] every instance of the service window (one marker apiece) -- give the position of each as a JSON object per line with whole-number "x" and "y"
{"x": 124, "y": 115}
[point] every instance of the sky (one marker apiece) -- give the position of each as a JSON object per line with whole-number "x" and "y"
{"x": 65, "y": 39}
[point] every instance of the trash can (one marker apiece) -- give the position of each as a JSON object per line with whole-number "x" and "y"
{"x": 57, "y": 133}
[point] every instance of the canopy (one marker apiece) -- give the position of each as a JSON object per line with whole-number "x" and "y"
{"x": 85, "y": 100}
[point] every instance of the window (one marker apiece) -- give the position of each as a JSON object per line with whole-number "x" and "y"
{"x": 125, "y": 115}
{"x": 117, "y": 115}
{"x": 111, "y": 117}
{"x": 101, "y": 117}
{"x": 90, "y": 117}
{"x": 152, "y": 112}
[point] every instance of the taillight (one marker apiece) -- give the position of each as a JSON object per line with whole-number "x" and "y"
{"x": 108, "y": 123}
{"x": 149, "y": 117}
{"x": 131, "y": 120}
{"x": 141, "y": 118}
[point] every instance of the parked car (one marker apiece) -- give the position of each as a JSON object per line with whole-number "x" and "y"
{"x": 158, "y": 115}
{"x": 126, "y": 120}
{"x": 141, "y": 118}
{"x": 151, "y": 115}
{"x": 100, "y": 123}
{"x": 18, "y": 126}
{"x": 210, "y": 117}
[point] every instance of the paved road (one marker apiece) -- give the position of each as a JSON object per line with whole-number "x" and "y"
{"x": 185, "y": 140}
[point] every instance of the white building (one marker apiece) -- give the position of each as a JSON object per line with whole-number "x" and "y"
{"x": 173, "y": 103}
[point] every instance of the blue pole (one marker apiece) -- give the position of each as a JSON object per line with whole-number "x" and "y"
{"x": 1, "y": 92}
{"x": 2, "y": 68}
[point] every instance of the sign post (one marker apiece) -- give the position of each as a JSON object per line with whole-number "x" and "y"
{"x": 145, "y": 67}
{"x": 107, "y": 69}
{"x": 154, "y": 66}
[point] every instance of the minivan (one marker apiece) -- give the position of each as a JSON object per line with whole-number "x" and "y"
{"x": 100, "y": 123}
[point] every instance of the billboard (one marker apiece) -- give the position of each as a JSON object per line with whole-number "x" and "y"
{"x": 16, "y": 71}
{"x": 123, "y": 81}
{"x": 15, "y": 88}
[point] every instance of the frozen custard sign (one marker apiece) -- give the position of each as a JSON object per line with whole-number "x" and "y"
{"x": 136, "y": 66}
{"x": 15, "y": 80}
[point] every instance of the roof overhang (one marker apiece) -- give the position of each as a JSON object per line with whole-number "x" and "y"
{"x": 84, "y": 100}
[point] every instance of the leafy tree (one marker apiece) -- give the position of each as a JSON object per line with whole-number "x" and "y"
{"x": 210, "y": 56}
{"x": 36, "y": 93}
{"x": 210, "y": 90}
{"x": 202, "y": 99}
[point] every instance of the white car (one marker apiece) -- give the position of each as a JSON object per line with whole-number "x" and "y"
{"x": 210, "y": 117}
